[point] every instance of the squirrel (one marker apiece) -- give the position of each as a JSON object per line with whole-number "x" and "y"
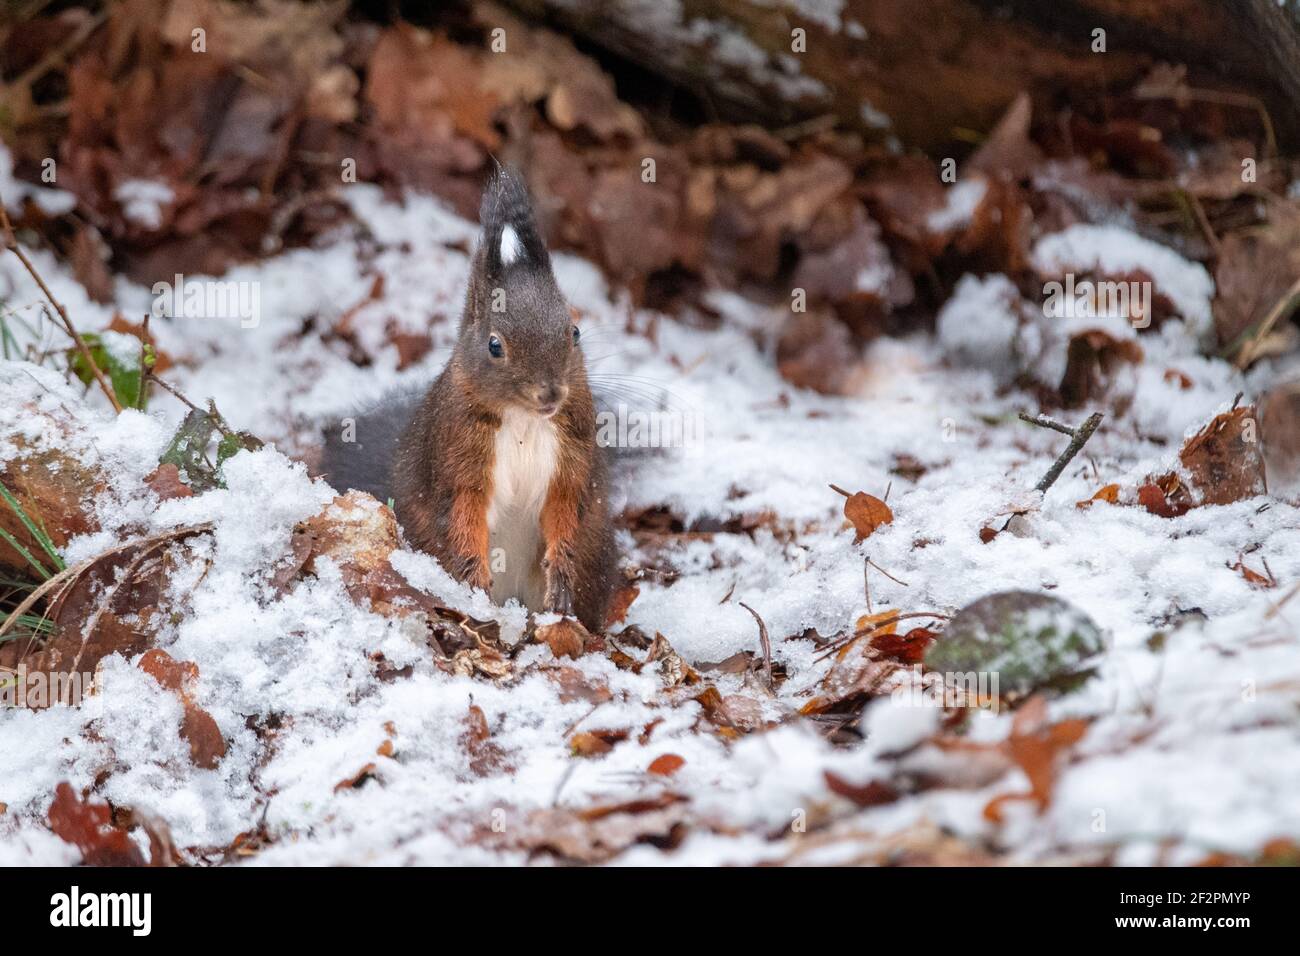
{"x": 496, "y": 470}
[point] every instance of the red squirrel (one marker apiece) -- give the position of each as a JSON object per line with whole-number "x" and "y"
{"x": 497, "y": 472}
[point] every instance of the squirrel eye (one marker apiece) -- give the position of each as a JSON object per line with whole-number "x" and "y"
{"x": 576, "y": 335}
{"x": 495, "y": 348}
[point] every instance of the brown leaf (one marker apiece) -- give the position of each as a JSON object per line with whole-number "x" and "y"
{"x": 356, "y": 530}
{"x": 89, "y": 827}
{"x": 1091, "y": 360}
{"x": 867, "y": 513}
{"x": 593, "y": 743}
{"x": 816, "y": 351}
{"x": 198, "y": 727}
{"x": 575, "y": 685}
{"x": 165, "y": 480}
{"x": 1223, "y": 459}
{"x": 1253, "y": 578}
{"x": 873, "y": 793}
{"x": 353, "y": 782}
{"x": 620, "y": 604}
{"x": 1152, "y": 497}
{"x": 908, "y": 648}
{"x": 566, "y": 637}
{"x": 485, "y": 756}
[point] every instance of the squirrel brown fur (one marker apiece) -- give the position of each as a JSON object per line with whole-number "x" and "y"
{"x": 498, "y": 473}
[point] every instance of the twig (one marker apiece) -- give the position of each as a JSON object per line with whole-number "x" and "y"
{"x": 1045, "y": 422}
{"x": 11, "y": 243}
{"x": 763, "y": 640}
{"x": 887, "y": 574}
{"x": 218, "y": 420}
{"x": 1079, "y": 437}
{"x": 145, "y": 364}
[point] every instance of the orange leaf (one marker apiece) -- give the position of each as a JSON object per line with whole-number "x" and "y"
{"x": 1108, "y": 494}
{"x": 882, "y": 622}
{"x": 666, "y": 764}
{"x": 1036, "y": 748}
{"x": 1252, "y": 577}
{"x": 867, "y": 513}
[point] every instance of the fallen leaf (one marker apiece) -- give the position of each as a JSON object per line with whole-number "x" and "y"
{"x": 485, "y": 755}
{"x": 1252, "y": 577}
{"x": 165, "y": 480}
{"x": 89, "y": 827}
{"x": 198, "y": 728}
{"x": 566, "y": 637}
{"x": 1037, "y": 749}
{"x": 666, "y": 765}
{"x": 1223, "y": 459}
{"x": 1108, "y": 494}
{"x": 620, "y": 604}
{"x": 873, "y": 793}
{"x": 867, "y": 513}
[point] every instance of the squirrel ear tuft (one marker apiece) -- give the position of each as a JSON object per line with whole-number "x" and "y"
{"x": 511, "y": 248}
{"x": 510, "y": 236}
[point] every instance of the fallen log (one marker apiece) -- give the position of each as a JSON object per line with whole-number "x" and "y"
{"x": 932, "y": 71}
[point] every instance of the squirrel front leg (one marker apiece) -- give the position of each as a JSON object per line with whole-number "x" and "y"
{"x": 560, "y": 533}
{"x": 468, "y": 538}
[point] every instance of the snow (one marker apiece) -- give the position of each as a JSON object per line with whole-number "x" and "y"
{"x": 142, "y": 201}
{"x": 959, "y": 206}
{"x": 1193, "y": 743}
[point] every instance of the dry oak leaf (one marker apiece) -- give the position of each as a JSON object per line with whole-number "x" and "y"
{"x": 355, "y": 530}
{"x": 866, "y": 513}
{"x": 593, "y": 743}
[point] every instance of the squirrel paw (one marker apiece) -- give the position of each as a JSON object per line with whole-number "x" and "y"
{"x": 559, "y": 599}
{"x": 475, "y": 574}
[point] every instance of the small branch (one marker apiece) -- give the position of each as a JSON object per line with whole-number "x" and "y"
{"x": 218, "y": 420}
{"x": 887, "y": 574}
{"x": 1081, "y": 436}
{"x": 1044, "y": 422}
{"x": 11, "y": 243}
{"x": 763, "y": 640}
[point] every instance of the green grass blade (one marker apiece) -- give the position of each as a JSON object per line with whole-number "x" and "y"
{"x": 38, "y": 533}
{"x": 13, "y": 543}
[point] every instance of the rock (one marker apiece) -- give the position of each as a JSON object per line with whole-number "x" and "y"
{"x": 1028, "y": 641}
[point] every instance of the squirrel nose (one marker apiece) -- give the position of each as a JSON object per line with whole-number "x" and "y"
{"x": 550, "y": 396}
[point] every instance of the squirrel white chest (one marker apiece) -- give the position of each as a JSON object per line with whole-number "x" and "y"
{"x": 524, "y": 461}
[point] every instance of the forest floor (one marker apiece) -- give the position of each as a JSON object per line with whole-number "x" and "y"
{"x": 344, "y": 734}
